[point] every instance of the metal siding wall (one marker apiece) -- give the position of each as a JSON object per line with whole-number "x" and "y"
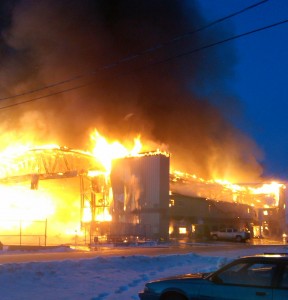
{"x": 156, "y": 177}
{"x": 164, "y": 181}
{"x": 152, "y": 180}
{"x": 152, "y": 172}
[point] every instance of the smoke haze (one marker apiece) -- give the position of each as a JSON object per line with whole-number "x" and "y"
{"x": 178, "y": 103}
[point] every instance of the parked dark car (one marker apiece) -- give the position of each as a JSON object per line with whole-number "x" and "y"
{"x": 262, "y": 276}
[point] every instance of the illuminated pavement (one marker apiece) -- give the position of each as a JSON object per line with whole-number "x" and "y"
{"x": 269, "y": 242}
{"x": 181, "y": 247}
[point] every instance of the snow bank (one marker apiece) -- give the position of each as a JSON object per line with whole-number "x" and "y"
{"x": 101, "y": 278}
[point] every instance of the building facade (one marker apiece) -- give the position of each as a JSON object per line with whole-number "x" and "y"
{"x": 141, "y": 195}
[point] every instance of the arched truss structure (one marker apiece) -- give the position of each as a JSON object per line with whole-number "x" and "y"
{"x": 46, "y": 163}
{"x": 55, "y": 162}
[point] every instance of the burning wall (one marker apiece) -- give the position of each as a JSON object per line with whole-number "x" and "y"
{"x": 24, "y": 212}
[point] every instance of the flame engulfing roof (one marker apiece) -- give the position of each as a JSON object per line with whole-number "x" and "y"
{"x": 48, "y": 161}
{"x": 261, "y": 194}
{"x": 53, "y": 161}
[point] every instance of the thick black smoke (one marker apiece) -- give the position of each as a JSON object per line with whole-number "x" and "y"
{"x": 175, "y": 102}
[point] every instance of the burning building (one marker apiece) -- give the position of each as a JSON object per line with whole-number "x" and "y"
{"x": 257, "y": 207}
{"x": 54, "y": 194}
{"x": 40, "y": 193}
{"x": 75, "y": 196}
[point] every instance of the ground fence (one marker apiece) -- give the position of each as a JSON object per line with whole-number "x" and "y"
{"x": 23, "y": 232}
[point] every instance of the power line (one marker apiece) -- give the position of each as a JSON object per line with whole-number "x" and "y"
{"x": 155, "y": 63}
{"x": 223, "y": 41}
{"x": 219, "y": 20}
{"x": 137, "y": 55}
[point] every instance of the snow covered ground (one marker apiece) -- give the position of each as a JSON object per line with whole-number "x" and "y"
{"x": 104, "y": 278}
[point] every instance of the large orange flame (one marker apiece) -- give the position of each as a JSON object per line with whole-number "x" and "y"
{"x": 20, "y": 203}
{"x": 106, "y": 151}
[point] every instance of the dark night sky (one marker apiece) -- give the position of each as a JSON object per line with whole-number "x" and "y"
{"x": 220, "y": 111}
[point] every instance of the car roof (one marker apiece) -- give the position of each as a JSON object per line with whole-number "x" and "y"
{"x": 267, "y": 256}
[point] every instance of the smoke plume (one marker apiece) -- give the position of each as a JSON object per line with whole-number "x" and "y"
{"x": 111, "y": 65}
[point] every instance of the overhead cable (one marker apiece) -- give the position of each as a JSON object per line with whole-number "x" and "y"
{"x": 137, "y": 55}
{"x": 156, "y": 62}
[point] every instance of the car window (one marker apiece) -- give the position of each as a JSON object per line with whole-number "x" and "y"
{"x": 259, "y": 274}
{"x": 284, "y": 281}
